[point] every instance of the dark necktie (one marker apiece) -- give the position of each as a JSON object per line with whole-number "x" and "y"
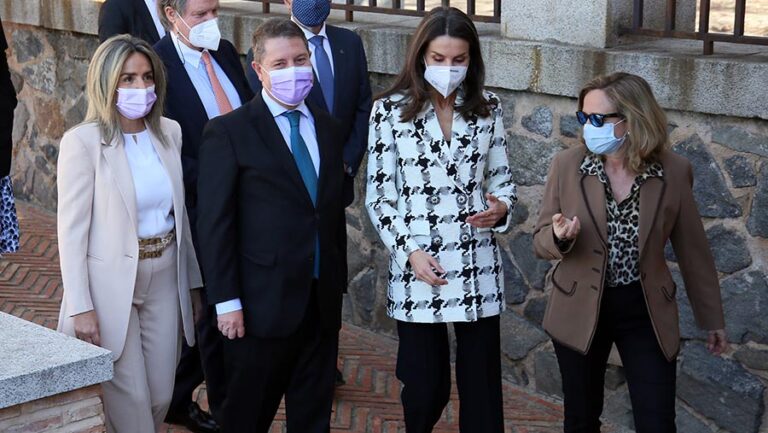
{"x": 324, "y": 71}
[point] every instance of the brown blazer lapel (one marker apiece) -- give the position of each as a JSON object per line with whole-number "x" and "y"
{"x": 651, "y": 194}
{"x": 114, "y": 154}
{"x": 594, "y": 196}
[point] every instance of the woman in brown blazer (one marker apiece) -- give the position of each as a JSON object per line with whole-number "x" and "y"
{"x": 609, "y": 207}
{"x": 125, "y": 247}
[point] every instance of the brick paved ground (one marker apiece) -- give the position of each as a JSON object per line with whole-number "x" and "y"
{"x": 30, "y": 287}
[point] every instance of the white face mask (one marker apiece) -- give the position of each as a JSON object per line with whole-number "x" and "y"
{"x": 205, "y": 35}
{"x": 445, "y": 79}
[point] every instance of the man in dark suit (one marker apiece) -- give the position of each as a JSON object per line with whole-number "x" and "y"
{"x": 205, "y": 80}
{"x": 7, "y": 105}
{"x": 138, "y": 18}
{"x": 270, "y": 227}
{"x": 343, "y": 83}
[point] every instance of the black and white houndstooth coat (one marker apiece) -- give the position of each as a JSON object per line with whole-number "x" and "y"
{"x": 420, "y": 191}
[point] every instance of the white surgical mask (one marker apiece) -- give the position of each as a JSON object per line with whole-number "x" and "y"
{"x": 602, "y": 140}
{"x": 205, "y": 35}
{"x": 445, "y": 79}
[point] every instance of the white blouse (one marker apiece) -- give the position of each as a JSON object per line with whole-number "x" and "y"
{"x": 154, "y": 193}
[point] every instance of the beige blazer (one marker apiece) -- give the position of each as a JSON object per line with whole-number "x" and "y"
{"x": 97, "y": 230}
{"x": 667, "y": 211}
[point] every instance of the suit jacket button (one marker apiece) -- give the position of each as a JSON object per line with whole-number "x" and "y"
{"x": 438, "y": 240}
{"x": 461, "y": 199}
{"x": 464, "y": 237}
{"x": 435, "y": 199}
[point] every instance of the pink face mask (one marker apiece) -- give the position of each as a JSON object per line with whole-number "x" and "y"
{"x": 135, "y": 103}
{"x": 291, "y": 85}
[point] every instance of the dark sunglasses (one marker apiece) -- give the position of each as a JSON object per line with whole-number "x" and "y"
{"x": 597, "y": 120}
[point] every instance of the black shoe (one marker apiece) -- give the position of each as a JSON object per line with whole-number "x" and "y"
{"x": 195, "y": 419}
{"x": 339, "y": 378}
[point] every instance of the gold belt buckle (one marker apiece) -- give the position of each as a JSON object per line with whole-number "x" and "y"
{"x": 153, "y": 248}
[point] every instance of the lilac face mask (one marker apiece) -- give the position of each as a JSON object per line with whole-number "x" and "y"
{"x": 135, "y": 103}
{"x": 291, "y": 85}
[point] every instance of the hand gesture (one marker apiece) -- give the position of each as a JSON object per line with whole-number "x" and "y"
{"x": 565, "y": 229}
{"x": 232, "y": 324}
{"x": 717, "y": 343}
{"x": 427, "y": 268}
{"x": 87, "y": 327}
{"x": 488, "y": 218}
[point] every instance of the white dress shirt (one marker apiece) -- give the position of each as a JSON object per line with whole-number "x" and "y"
{"x": 152, "y": 6}
{"x": 307, "y": 131}
{"x": 193, "y": 64}
{"x": 326, "y": 45}
{"x": 154, "y": 193}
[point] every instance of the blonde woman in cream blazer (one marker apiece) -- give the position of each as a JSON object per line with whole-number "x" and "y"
{"x": 119, "y": 178}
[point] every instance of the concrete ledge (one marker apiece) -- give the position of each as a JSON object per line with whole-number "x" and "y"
{"x": 38, "y": 362}
{"x": 726, "y": 84}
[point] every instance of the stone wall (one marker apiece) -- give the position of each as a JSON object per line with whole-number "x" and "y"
{"x": 730, "y": 156}
{"x": 79, "y": 411}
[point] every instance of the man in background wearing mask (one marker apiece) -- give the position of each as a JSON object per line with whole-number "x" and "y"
{"x": 342, "y": 86}
{"x": 205, "y": 80}
{"x": 139, "y": 18}
{"x": 270, "y": 228}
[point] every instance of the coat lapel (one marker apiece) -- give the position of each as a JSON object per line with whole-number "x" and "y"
{"x": 594, "y": 196}
{"x": 114, "y": 154}
{"x": 171, "y": 162}
{"x": 267, "y": 128}
{"x": 651, "y": 194}
{"x": 437, "y": 143}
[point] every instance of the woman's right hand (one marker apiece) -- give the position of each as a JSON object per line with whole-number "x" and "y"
{"x": 427, "y": 268}
{"x": 565, "y": 229}
{"x": 87, "y": 327}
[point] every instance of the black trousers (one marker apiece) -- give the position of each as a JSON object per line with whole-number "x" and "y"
{"x": 424, "y": 368}
{"x": 204, "y": 361}
{"x": 624, "y": 321}
{"x": 261, "y": 370}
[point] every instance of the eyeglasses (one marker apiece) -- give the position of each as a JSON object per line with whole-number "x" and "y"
{"x": 596, "y": 119}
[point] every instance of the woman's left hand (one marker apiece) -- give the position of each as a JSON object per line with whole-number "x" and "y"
{"x": 488, "y": 218}
{"x": 717, "y": 343}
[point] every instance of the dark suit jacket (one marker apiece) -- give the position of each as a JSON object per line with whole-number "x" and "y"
{"x": 667, "y": 211}
{"x": 183, "y": 105}
{"x": 117, "y": 17}
{"x": 7, "y": 105}
{"x": 257, "y": 224}
{"x": 352, "y": 99}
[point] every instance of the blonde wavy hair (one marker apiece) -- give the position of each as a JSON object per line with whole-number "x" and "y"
{"x": 646, "y": 121}
{"x": 103, "y": 79}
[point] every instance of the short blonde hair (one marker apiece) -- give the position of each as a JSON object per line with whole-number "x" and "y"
{"x": 646, "y": 120}
{"x": 103, "y": 79}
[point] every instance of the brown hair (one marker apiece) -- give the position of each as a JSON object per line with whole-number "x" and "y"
{"x": 646, "y": 121}
{"x": 102, "y": 83}
{"x": 441, "y": 21}
{"x": 274, "y": 28}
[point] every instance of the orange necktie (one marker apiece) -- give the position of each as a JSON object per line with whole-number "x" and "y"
{"x": 218, "y": 92}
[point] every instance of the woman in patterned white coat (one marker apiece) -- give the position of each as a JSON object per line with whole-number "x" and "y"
{"x": 435, "y": 203}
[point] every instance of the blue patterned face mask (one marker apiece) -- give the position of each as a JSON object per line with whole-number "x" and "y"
{"x": 311, "y": 13}
{"x": 602, "y": 140}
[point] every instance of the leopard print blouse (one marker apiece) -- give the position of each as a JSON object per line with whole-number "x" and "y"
{"x": 623, "y": 222}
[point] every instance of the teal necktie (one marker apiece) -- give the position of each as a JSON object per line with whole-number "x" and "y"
{"x": 306, "y": 170}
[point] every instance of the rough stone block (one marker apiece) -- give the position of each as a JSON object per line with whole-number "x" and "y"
{"x": 740, "y": 139}
{"x": 757, "y": 224}
{"x": 519, "y": 336}
{"x": 539, "y": 121}
{"x": 752, "y": 358}
{"x": 709, "y": 187}
{"x": 741, "y": 171}
{"x": 547, "y": 373}
{"x": 535, "y": 309}
{"x": 533, "y": 269}
{"x": 570, "y": 126}
{"x": 729, "y": 249}
{"x": 722, "y": 389}
{"x": 515, "y": 287}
